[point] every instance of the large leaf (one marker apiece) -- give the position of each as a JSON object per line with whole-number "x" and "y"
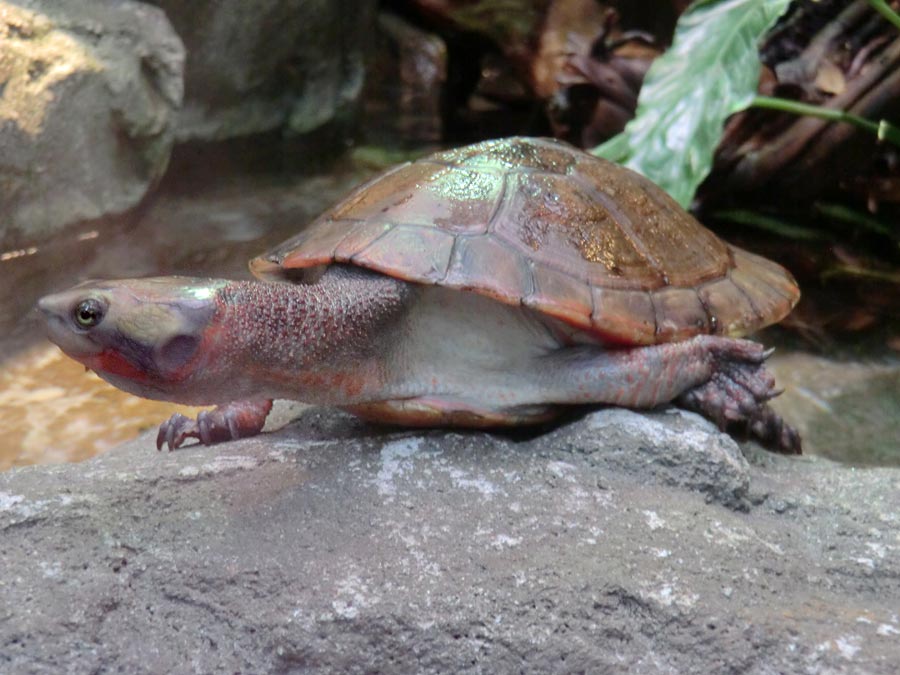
{"x": 710, "y": 72}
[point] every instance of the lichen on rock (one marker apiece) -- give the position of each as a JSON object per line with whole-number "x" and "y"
{"x": 35, "y": 57}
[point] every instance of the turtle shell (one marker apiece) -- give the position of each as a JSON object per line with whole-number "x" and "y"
{"x": 539, "y": 223}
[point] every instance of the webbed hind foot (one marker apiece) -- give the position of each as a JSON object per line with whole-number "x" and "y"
{"x": 737, "y": 394}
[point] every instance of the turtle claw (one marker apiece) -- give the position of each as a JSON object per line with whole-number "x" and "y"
{"x": 238, "y": 419}
{"x": 211, "y": 425}
{"x": 175, "y": 431}
{"x": 772, "y": 431}
{"x": 737, "y": 393}
{"x": 774, "y": 393}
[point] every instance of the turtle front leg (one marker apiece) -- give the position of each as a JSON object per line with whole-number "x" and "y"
{"x": 238, "y": 419}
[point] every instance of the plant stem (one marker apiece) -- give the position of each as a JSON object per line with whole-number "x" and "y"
{"x": 884, "y": 130}
{"x": 885, "y": 10}
{"x": 787, "y": 105}
{"x": 861, "y": 272}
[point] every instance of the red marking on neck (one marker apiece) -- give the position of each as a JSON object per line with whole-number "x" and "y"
{"x": 213, "y": 337}
{"x": 112, "y": 362}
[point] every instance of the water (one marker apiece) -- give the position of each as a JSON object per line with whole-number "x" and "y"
{"x": 846, "y": 410}
{"x": 52, "y": 411}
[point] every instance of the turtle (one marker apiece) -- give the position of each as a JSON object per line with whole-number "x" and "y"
{"x": 492, "y": 285}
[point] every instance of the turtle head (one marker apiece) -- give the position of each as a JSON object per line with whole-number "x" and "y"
{"x": 145, "y": 336}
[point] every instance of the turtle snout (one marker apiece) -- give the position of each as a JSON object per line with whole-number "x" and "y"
{"x": 53, "y": 315}
{"x": 55, "y": 308}
{"x": 51, "y": 308}
{"x": 47, "y": 306}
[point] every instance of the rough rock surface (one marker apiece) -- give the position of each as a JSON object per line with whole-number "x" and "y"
{"x": 87, "y": 95}
{"x": 269, "y": 64}
{"x": 617, "y": 542}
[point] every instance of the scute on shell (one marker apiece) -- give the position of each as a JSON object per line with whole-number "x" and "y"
{"x": 539, "y": 223}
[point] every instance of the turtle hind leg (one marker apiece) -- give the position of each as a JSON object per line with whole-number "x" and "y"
{"x": 724, "y": 379}
{"x": 436, "y": 411}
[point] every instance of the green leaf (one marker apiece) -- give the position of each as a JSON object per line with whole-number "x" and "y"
{"x": 710, "y": 72}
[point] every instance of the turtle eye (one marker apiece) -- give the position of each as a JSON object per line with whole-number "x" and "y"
{"x": 88, "y": 313}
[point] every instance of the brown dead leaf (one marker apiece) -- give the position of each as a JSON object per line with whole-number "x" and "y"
{"x": 830, "y": 79}
{"x": 569, "y": 24}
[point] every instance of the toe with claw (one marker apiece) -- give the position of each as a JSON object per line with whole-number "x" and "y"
{"x": 737, "y": 394}
{"x": 238, "y": 419}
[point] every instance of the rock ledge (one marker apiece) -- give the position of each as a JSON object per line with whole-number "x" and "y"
{"x": 618, "y": 541}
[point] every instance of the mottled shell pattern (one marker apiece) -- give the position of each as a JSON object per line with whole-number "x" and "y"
{"x": 539, "y": 223}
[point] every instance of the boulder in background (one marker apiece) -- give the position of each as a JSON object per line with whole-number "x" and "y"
{"x": 265, "y": 65}
{"x": 88, "y": 92}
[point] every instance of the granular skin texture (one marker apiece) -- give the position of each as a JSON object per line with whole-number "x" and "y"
{"x": 292, "y": 336}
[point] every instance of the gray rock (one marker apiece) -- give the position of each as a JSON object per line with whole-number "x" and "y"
{"x": 87, "y": 95}
{"x": 338, "y": 547}
{"x": 269, "y": 64}
{"x": 681, "y": 449}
